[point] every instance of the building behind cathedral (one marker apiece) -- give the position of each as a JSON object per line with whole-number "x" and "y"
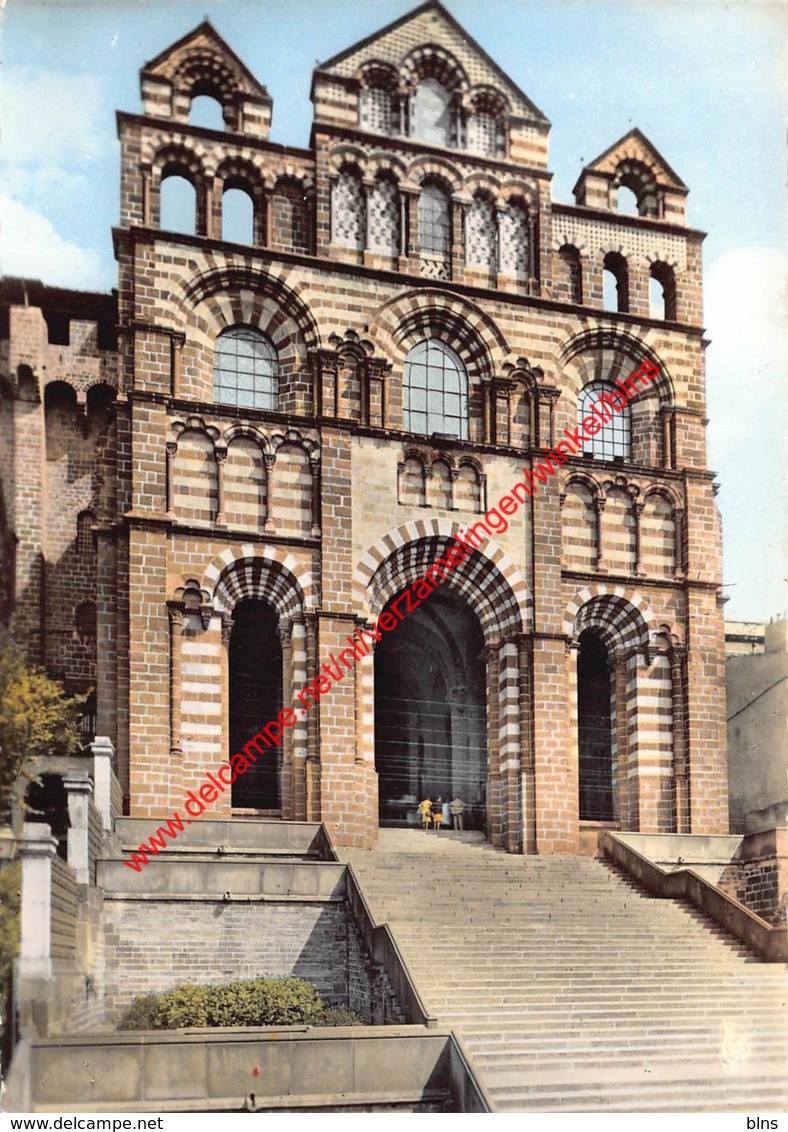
{"x": 279, "y": 421}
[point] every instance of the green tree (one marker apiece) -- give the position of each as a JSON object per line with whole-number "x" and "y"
{"x": 36, "y": 718}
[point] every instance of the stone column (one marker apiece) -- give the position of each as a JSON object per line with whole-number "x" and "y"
{"x": 300, "y": 729}
{"x": 270, "y": 460}
{"x": 171, "y": 449}
{"x": 146, "y": 212}
{"x": 637, "y": 512}
{"x": 681, "y": 792}
{"x": 599, "y": 508}
{"x": 103, "y": 753}
{"x": 494, "y": 822}
{"x": 176, "y": 619}
{"x": 220, "y": 454}
{"x": 78, "y": 790}
{"x": 528, "y": 795}
{"x": 314, "y": 464}
{"x": 288, "y": 776}
{"x": 313, "y": 733}
{"x": 38, "y": 850}
{"x": 176, "y": 363}
{"x": 510, "y": 766}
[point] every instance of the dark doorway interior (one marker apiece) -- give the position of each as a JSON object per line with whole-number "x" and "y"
{"x": 595, "y": 729}
{"x": 430, "y": 712}
{"x": 255, "y": 698}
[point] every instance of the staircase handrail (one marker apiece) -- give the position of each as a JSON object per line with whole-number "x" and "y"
{"x": 382, "y": 947}
{"x": 766, "y": 940}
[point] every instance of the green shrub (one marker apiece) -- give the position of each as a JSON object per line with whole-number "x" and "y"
{"x": 246, "y": 1002}
{"x": 338, "y": 1016}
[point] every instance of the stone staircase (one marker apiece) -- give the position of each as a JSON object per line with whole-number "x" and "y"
{"x": 573, "y": 990}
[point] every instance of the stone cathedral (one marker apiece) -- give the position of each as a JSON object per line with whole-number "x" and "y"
{"x": 214, "y": 476}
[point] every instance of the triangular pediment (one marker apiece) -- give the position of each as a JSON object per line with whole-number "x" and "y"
{"x": 432, "y": 25}
{"x": 203, "y": 51}
{"x": 635, "y": 146}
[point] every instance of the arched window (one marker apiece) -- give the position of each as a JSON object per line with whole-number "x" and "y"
{"x": 594, "y": 729}
{"x": 434, "y": 223}
{"x": 485, "y": 134}
{"x": 615, "y": 283}
{"x": 237, "y": 216}
{"x": 614, "y": 438}
{"x": 85, "y": 622}
{"x": 178, "y": 204}
{"x": 480, "y": 234}
{"x": 376, "y": 110}
{"x": 430, "y": 113}
{"x": 255, "y": 665}
{"x": 206, "y": 111}
{"x": 627, "y": 201}
{"x": 85, "y": 544}
{"x": 384, "y": 217}
{"x": 515, "y": 256}
{"x": 245, "y": 369}
{"x": 436, "y": 390}
{"x": 348, "y": 210}
{"x": 662, "y": 292}
{"x": 570, "y": 274}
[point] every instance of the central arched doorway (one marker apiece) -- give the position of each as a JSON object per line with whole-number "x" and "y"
{"x": 595, "y": 729}
{"x": 255, "y": 659}
{"x": 430, "y": 712}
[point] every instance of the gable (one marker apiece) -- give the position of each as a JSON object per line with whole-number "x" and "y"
{"x": 203, "y": 58}
{"x": 635, "y": 146}
{"x": 432, "y": 26}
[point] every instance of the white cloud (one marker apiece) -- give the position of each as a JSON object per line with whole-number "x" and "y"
{"x": 30, "y": 247}
{"x": 55, "y": 115}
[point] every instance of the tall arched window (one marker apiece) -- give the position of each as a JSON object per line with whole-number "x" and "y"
{"x": 430, "y": 114}
{"x": 245, "y": 369}
{"x": 662, "y": 292}
{"x": 434, "y": 223}
{"x": 178, "y": 203}
{"x": 255, "y": 664}
{"x": 594, "y": 729}
{"x": 615, "y": 283}
{"x": 514, "y": 252}
{"x": 480, "y": 234}
{"x": 376, "y": 109}
{"x": 348, "y": 210}
{"x": 614, "y": 438}
{"x": 436, "y": 390}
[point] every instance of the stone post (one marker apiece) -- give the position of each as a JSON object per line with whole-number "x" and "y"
{"x": 103, "y": 774}
{"x": 37, "y": 850}
{"x": 79, "y": 789}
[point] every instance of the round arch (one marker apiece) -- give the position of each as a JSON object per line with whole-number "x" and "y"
{"x": 487, "y": 579}
{"x": 267, "y": 573}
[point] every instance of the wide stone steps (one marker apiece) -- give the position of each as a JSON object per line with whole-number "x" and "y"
{"x": 574, "y": 991}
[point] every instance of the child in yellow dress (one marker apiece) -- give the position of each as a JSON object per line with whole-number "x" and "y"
{"x": 425, "y": 809}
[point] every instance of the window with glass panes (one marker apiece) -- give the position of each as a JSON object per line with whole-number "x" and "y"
{"x": 245, "y": 369}
{"x": 615, "y": 437}
{"x": 436, "y": 390}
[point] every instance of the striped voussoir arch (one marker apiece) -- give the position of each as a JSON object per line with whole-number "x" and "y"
{"x": 488, "y": 580}
{"x": 623, "y": 617}
{"x": 266, "y": 573}
{"x": 429, "y": 313}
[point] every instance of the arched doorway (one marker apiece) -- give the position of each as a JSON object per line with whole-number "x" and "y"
{"x": 255, "y": 659}
{"x": 595, "y": 729}
{"x": 430, "y": 712}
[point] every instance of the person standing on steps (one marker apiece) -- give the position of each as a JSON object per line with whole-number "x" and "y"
{"x": 425, "y": 809}
{"x": 446, "y": 814}
{"x": 437, "y": 812}
{"x": 457, "y": 810}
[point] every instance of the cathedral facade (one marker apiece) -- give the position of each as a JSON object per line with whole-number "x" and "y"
{"x": 216, "y": 476}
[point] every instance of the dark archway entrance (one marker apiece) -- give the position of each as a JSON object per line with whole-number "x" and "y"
{"x": 431, "y": 713}
{"x": 595, "y": 729}
{"x": 255, "y": 698}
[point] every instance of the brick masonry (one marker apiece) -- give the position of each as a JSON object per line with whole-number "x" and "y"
{"x": 319, "y": 506}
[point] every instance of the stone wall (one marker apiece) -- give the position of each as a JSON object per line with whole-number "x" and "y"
{"x": 155, "y": 945}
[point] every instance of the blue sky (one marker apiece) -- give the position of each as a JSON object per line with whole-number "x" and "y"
{"x": 701, "y": 78}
